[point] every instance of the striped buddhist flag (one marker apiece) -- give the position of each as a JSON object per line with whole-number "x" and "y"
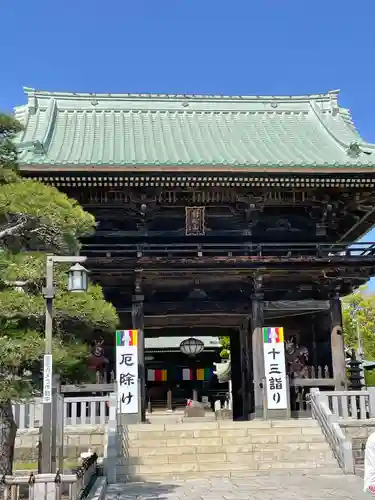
{"x": 126, "y": 337}
{"x": 273, "y": 335}
{"x": 157, "y": 375}
{"x": 204, "y": 373}
{"x": 187, "y": 374}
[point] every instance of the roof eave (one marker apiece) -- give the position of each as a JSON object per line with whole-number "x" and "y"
{"x": 366, "y": 169}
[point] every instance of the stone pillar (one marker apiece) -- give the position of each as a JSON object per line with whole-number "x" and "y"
{"x": 337, "y": 343}
{"x": 257, "y": 354}
{"x": 138, "y": 324}
{"x": 246, "y": 375}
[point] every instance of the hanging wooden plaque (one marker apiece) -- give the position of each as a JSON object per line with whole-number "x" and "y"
{"x": 195, "y": 221}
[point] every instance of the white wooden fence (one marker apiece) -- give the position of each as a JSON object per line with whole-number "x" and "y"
{"x": 350, "y": 405}
{"x": 50, "y": 486}
{"x": 92, "y": 410}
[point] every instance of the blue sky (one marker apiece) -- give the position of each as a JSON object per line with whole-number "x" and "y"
{"x": 256, "y": 47}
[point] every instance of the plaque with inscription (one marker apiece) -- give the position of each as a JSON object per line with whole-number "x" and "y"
{"x": 195, "y": 221}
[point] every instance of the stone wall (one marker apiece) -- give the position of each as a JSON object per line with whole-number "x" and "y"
{"x": 77, "y": 439}
{"x": 358, "y": 431}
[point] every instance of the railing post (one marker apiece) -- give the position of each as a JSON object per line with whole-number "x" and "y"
{"x": 288, "y": 409}
{"x": 371, "y": 392}
{"x": 347, "y": 450}
{"x": 45, "y": 490}
{"x": 169, "y": 400}
{"x": 263, "y": 384}
{"x": 230, "y": 401}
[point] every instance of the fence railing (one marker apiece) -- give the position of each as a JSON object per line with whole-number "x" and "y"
{"x": 50, "y": 486}
{"x": 91, "y": 410}
{"x": 320, "y": 250}
{"x": 350, "y": 405}
{"x": 341, "y": 446}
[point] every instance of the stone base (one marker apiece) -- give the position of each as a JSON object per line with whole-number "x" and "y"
{"x": 277, "y": 414}
{"x": 195, "y": 411}
{"x": 77, "y": 439}
{"x": 224, "y": 414}
{"x": 259, "y": 412}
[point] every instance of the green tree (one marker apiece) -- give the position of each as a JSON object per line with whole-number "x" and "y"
{"x": 35, "y": 219}
{"x": 359, "y": 318}
{"x": 225, "y": 347}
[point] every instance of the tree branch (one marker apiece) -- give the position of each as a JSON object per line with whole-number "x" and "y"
{"x": 13, "y": 228}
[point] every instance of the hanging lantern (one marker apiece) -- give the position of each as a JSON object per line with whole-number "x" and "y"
{"x": 191, "y": 347}
{"x": 77, "y": 279}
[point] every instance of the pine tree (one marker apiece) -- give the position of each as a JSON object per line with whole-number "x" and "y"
{"x": 36, "y": 219}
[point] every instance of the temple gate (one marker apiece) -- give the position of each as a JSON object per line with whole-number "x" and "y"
{"x": 217, "y": 216}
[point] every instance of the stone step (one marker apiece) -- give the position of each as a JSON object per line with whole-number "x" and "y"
{"x": 155, "y": 434}
{"x": 225, "y": 467}
{"x": 212, "y": 429}
{"x": 230, "y": 457}
{"x": 186, "y": 476}
{"x": 223, "y": 424}
{"x": 243, "y": 448}
{"x": 226, "y": 440}
{"x": 224, "y": 448}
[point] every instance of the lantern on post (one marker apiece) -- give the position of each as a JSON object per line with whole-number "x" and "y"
{"x": 77, "y": 279}
{"x": 191, "y": 347}
{"x": 355, "y": 373}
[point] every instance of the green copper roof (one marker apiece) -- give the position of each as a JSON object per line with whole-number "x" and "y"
{"x": 189, "y": 130}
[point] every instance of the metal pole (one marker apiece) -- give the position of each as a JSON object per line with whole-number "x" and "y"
{"x": 359, "y": 338}
{"x": 360, "y": 350}
{"x": 49, "y": 294}
{"x": 46, "y": 465}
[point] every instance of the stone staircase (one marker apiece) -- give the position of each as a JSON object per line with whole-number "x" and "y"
{"x": 149, "y": 452}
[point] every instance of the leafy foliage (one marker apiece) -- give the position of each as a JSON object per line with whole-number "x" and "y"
{"x": 359, "y": 312}
{"x": 370, "y": 378}
{"x": 20, "y": 363}
{"x": 35, "y": 216}
{"x": 225, "y": 347}
{"x": 9, "y": 128}
{"x": 35, "y": 219}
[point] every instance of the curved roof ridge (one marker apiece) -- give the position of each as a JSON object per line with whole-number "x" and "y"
{"x": 317, "y": 114}
{"x": 347, "y": 118}
{"x": 31, "y": 93}
{"x": 347, "y": 123}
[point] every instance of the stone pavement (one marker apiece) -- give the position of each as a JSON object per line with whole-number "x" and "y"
{"x": 267, "y": 487}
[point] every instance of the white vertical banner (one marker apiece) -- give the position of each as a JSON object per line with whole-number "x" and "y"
{"x": 127, "y": 370}
{"x": 275, "y": 369}
{"x": 47, "y": 378}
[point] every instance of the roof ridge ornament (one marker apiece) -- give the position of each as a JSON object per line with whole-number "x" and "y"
{"x": 354, "y": 150}
{"x": 38, "y": 148}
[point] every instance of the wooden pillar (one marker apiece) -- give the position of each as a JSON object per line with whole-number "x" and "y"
{"x": 246, "y": 376}
{"x": 138, "y": 324}
{"x": 337, "y": 343}
{"x": 236, "y": 375}
{"x": 257, "y": 354}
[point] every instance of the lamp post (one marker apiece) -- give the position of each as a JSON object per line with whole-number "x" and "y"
{"x": 77, "y": 282}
